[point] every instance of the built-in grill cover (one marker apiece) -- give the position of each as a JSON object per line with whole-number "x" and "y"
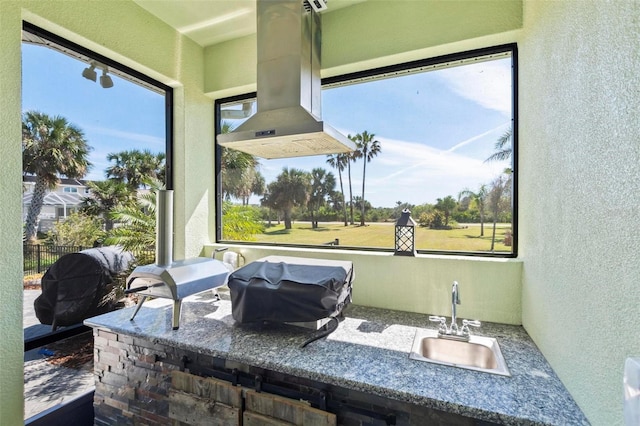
{"x": 290, "y": 289}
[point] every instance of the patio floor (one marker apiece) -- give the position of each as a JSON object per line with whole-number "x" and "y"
{"x": 45, "y": 384}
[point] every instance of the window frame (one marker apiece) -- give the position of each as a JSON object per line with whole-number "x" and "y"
{"x": 80, "y": 408}
{"x": 375, "y": 73}
{"x": 79, "y": 51}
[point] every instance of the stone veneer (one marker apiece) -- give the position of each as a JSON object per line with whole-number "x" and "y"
{"x": 136, "y": 385}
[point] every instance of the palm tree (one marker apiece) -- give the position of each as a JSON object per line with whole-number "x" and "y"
{"x": 105, "y": 196}
{"x": 339, "y": 162}
{"x": 51, "y": 147}
{"x": 368, "y": 147}
{"x": 133, "y": 167}
{"x": 322, "y": 185}
{"x": 239, "y": 172}
{"x": 290, "y": 189}
{"x": 480, "y": 198}
{"x": 446, "y": 206}
{"x": 351, "y": 157}
{"x": 503, "y": 147}
{"x": 499, "y": 188}
{"x": 137, "y": 230}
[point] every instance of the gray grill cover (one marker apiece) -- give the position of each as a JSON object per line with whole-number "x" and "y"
{"x": 289, "y": 289}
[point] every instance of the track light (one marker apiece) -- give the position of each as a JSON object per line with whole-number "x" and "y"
{"x": 105, "y": 80}
{"x": 90, "y": 74}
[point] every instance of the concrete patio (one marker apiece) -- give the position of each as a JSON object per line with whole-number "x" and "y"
{"x": 47, "y": 385}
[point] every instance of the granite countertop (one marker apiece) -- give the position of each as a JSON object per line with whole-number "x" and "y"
{"x": 369, "y": 352}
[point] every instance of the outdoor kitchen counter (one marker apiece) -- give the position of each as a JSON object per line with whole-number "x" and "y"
{"x": 369, "y": 352}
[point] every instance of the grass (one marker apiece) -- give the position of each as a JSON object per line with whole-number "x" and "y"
{"x": 381, "y": 235}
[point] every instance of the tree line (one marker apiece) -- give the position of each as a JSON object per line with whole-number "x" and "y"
{"x": 294, "y": 188}
{"x": 53, "y": 147}
{"x": 312, "y": 195}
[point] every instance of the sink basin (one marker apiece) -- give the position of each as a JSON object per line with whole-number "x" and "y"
{"x": 479, "y": 353}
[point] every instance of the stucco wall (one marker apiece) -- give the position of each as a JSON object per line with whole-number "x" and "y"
{"x": 580, "y": 193}
{"x": 125, "y": 33}
{"x": 374, "y": 34}
{"x": 490, "y": 288}
{"x": 383, "y": 33}
{"x": 11, "y": 353}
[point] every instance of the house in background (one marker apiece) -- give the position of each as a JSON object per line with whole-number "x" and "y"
{"x": 57, "y": 204}
{"x": 574, "y": 284}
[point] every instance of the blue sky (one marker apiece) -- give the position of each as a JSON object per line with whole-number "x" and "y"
{"x": 123, "y": 117}
{"x": 435, "y": 128}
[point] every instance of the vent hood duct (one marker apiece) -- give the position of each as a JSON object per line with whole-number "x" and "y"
{"x": 288, "y": 120}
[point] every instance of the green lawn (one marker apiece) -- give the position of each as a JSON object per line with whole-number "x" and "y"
{"x": 382, "y": 235}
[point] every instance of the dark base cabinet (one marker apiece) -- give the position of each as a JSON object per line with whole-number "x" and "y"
{"x": 139, "y": 382}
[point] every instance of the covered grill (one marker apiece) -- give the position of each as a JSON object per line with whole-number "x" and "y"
{"x": 80, "y": 285}
{"x": 169, "y": 279}
{"x": 299, "y": 291}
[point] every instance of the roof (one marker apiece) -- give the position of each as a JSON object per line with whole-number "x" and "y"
{"x": 55, "y": 199}
{"x": 63, "y": 181}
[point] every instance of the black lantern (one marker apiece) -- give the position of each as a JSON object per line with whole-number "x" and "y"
{"x": 405, "y": 235}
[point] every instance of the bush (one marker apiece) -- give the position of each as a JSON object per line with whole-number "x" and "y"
{"x": 241, "y": 223}
{"x": 76, "y": 230}
{"x": 434, "y": 220}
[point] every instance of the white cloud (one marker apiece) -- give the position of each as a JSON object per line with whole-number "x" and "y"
{"x": 486, "y": 83}
{"x": 418, "y": 173}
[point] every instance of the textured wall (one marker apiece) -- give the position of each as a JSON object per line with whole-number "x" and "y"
{"x": 127, "y": 34}
{"x": 376, "y": 33}
{"x": 490, "y": 288}
{"x": 11, "y": 354}
{"x": 580, "y": 193}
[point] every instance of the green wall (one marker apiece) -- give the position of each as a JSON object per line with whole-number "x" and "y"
{"x": 384, "y": 33}
{"x": 11, "y": 353}
{"x": 580, "y": 193}
{"x": 379, "y": 33}
{"x": 126, "y": 33}
{"x": 574, "y": 285}
{"x": 490, "y": 288}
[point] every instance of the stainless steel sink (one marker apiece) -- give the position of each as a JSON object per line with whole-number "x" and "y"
{"x": 479, "y": 353}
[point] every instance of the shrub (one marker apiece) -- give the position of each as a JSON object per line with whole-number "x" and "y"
{"x": 241, "y": 223}
{"x": 76, "y": 230}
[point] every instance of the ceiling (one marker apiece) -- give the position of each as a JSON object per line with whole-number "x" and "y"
{"x": 210, "y": 22}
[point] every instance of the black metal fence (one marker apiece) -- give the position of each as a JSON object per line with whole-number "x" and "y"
{"x": 38, "y": 257}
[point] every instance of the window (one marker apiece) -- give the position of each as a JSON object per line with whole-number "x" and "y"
{"x": 98, "y": 116}
{"x": 440, "y": 140}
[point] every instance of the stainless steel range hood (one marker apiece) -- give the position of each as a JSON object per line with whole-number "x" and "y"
{"x": 288, "y": 119}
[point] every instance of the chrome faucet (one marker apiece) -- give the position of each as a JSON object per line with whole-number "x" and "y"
{"x": 453, "y": 332}
{"x": 455, "y": 300}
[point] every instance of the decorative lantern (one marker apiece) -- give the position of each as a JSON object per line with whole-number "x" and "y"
{"x": 405, "y": 235}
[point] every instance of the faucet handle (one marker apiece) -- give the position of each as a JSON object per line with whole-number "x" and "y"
{"x": 466, "y": 323}
{"x": 442, "y": 327}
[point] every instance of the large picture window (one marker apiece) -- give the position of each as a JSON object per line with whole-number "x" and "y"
{"x": 437, "y": 137}
{"x": 96, "y": 137}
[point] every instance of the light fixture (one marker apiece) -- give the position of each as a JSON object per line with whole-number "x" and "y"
{"x": 90, "y": 72}
{"x": 105, "y": 80}
{"x": 405, "y": 235}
